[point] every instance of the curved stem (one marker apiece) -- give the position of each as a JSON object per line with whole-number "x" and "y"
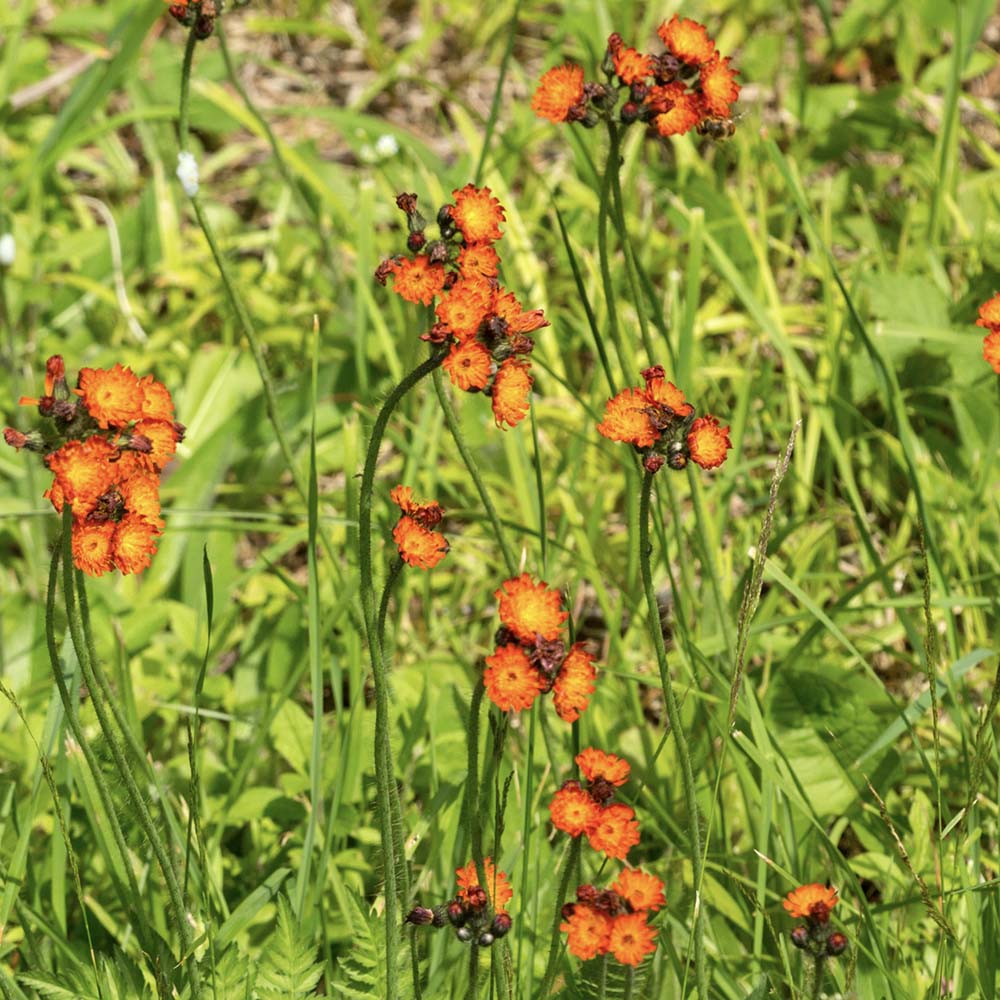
{"x": 383, "y": 749}
{"x": 552, "y": 965}
{"x": 81, "y": 644}
{"x": 674, "y": 717}
{"x": 610, "y": 170}
{"x": 470, "y": 463}
{"x": 183, "y": 121}
{"x": 383, "y": 607}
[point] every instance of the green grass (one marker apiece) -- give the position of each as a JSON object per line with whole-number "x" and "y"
{"x": 823, "y": 266}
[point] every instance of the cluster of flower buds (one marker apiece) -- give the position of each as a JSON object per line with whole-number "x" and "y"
{"x": 201, "y": 14}
{"x": 989, "y": 319}
{"x": 481, "y": 322}
{"x": 689, "y": 86}
{"x": 530, "y": 658}
{"x": 662, "y": 426}
{"x": 588, "y": 809}
{"x": 470, "y": 912}
{"x": 106, "y": 443}
{"x": 614, "y": 921}
{"x": 814, "y": 903}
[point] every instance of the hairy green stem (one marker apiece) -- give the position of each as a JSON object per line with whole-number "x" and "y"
{"x": 470, "y": 800}
{"x": 383, "y": 749}
{"x": 610, "y": 170}
{"x": 82, "y": 644}
{"x": 814, "y": 981}
{"x": 629, "y": 982}
{"x": 473, "y": 971}
{"x": 674, "y": 717}
{"x": 552, "y": 965}
{"x": 602, "y": 981}
{"x": 470, "y": 463}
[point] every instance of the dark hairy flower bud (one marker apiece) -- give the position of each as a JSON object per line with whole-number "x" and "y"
{"x": 477, "y": 897}
{"x": 419, "y": 915}
{"x": 485, "y": 939}
{"x": 629, "y": 112}
{"x": 437, "y": 251}
{"x": 501, "y": 925}
{"x": 440, "y": 915}
{"x": 568, "y": 909}
{"x": 677, "y": 455}
{"x": 800, "y": 937}
{"x": 587, "y": 894}
{"x": 33, "y": 441}
{"x": 601, "y": 790}
{"x": 445, "y": 222}
{"x": 463, "y": 934}
{"x": 836, "y": 944}
{"x": 415, "y": 241}
{"x": 457, "y": 913}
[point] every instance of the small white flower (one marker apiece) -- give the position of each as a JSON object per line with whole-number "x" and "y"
{"x": 187, "y": 173}
{"x": 386, "y": 146}
{"x": 8, "y": 250}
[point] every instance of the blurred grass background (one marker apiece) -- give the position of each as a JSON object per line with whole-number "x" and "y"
{"x": 867, "y": 153}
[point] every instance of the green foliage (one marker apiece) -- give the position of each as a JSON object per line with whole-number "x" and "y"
{"x": 288, "y": 969}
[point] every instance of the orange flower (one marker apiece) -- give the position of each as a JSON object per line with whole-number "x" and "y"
{"x": 642, "y": 890}
{"x": 140, "y": 493}
{"x": 92, "y": 547}
{"x": 991, "y": 350}
{"x": 479, "y": 260}
{"x": 419, "y": 546}
{"x": 55, "y": 371}
{"x": 83, "y": 472}
{"x": 811, "y": 902}
{"x": 631, "y": 939}
{"x": 615, "y": 832}
{"x": 417, "y": 279}
{"x": 469, "y": 365}
{"x": 512, "y": 683}
{"x": 497, "y": 886}
{"x": 989, "y": 317}
{"x": 428, "y": 513}
{"x": 156, "y": 401}
{"x": 465, "y": 307}
{"x": 588, "y": 932}
{"x": 512, "y": 392}
{"x": 134, "y": 543}
{"x": 665, "y": 393}
{"x": 477, "y": 214}
{"x": 506, "y": 306}
{"x": 530, "y": 609}
{"x": 718, "y": 86}
{"x": 112, "y": 396}
{"x": 679, "y": 109}
{"x": 573, "y": 810}
{"x": 596, "y": 764}
{"x": 708, "y": 442}
{"x": 626, "y": 419}
{"x": 631, "y": 65}
{"x": 560, "y": 89}
{"x": 574, "y": 684}
{"x": 687, "y": 40}
{"x": 162, "y": 436}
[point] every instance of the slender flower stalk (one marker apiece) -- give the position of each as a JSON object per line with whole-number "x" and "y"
{"x": 674, "y": 717}
{"x": 555, "y": 948}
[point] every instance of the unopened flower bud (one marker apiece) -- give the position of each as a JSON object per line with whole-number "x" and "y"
{"x": 445, "y": 222}
{"x": 800, "y": 937}
{"x": 204, "y": 27}
{"x": 419, "y": 915}
{"x": 437, "y": 251}
{"x": 180, "y": 431}
{"x": 567, "y": 911}
{"x": 457, "y": 913}
{"x": 653, "y": 462}
{"x": 477, "y": 897}
{"x": 485, "y": 939}
{"x": 415, "y": 241}
{"x": 586, "y": 894}
{"x": 836, "y": 944}
{"x": 501, "y": 925}
{"x": 463, "y": 934}
{"x": 677, "y": 455}
{"x": 33, "y": 441}
{"x": 629, "y": 112}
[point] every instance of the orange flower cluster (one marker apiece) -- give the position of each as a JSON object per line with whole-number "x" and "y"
{"x": 989, "y": 319}
{"x": 418, "y": 544}
{"x": 530, "y": 657}
{"x": 576, "y": 809}
{"x": 661, "y": 425}
{"x": 471, "y": 912}
{"x": 811, "y": 902}
{"x": 689, "y": 86}
{"x": 106, "y": 443}
{"x": 484, "y": 324}
{"x": 614, "y": 920}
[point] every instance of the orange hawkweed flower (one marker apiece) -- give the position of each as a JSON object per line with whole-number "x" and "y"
{"x": 631, "y": 66}
{"x": 511, "y": 682}
{"x": 642, "y": 890}
{"x": 507, "y": 307}
{"x": 588, "y": 932}
{"x": 687, "y": 40}
{"x": 631, "y": 938}
{"x": 497, "y": 884}
{"x": 417, "y": 279}
{"x": 989, "y": 317}
{"x": 626, "y": 419}
{"x": 664, "y": 393}
{"x": 708, "y": 442}
{"x": 679, "y": 110}
{"x": 573, "y": 810}
{"x": 428, "y": 512}
{"x": 134, "y": 543}
{"x": 112, "y": 396}
{"x": 464, "y": 308}
{"x": 811, "y": 902}
{"x": 530, "y": 609}
{"x": 140, "y": 494}
{"x": 615, "y": 832}
{"x": 83, "y": 472}
{"x": 596, "y": 764}
{"x": 156, "y": 401}
{"x": 511, "y": 392}
{"x": 574, "y": 684}
{"x": 477, "y": 214}
{"x": 419, "y": 546}
{"x": 719, "y": 88}
{"x": 559, "y": 90}
{"x": 469, "y": 365}
{"x": 92, "y": 547}
{"x": 479, "y": 260}
{"x": 162, "y": 437}
{"x": 991, "y": 350}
